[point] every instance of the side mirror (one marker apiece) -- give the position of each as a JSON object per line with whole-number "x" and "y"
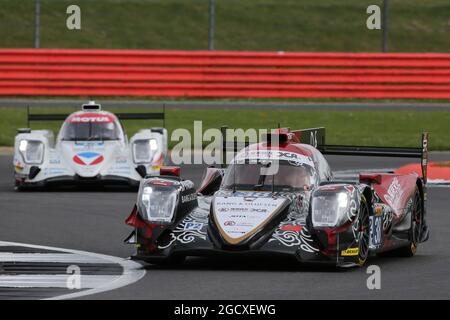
{"x": 170, "y": 171}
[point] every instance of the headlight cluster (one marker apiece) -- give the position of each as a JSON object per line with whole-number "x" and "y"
{"x": 157, "y": 203}
{"x": 143, "y": 150}
{"x": 32, "y": 151}
{"x": 330, "y": 209}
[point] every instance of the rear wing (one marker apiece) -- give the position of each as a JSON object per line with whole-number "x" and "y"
{"x": 122, "y": 116}
{"x": 316, "y": 138}
{"x": 371, "y": 151}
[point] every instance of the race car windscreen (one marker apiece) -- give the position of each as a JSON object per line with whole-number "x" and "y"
{"x": 253, "y": 176}
{"x": 90, "y": 131}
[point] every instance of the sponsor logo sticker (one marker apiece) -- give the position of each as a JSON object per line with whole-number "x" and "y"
{"x": 121, "y": 160}
{"x": 90, "y": 117}
{"x": 292, "y": 157}
{"x": 376, "y": 231}
{"x": 290, "y": 227}
{"x": 197, "y": 226}
{"x": 88, "y": 158}
{"x": 350, "y": 252}
{"x": 238, "y": 217}
{"x": 394, "y": 194}
{"x": 189, "y": 197}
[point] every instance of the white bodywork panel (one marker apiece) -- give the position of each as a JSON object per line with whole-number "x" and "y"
{"x": 108, "y": 159}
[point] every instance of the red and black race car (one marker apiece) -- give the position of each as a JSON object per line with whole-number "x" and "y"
{"x": 279, "y": 197}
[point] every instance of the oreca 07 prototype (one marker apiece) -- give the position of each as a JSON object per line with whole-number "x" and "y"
{"x": 282, "y": 199}
{"x": 90, "y": 148}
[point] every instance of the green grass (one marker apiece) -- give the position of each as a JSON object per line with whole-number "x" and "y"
{"x": 381, "y": 128}
{"x": 291, "y": 25}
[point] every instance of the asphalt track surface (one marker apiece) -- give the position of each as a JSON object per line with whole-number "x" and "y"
{"x": 93, "y": 220}
{"x": 202, "y": 104}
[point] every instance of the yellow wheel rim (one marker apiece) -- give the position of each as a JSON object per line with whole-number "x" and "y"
{"x": 361, "y": 262}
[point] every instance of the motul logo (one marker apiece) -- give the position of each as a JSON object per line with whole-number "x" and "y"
{"x": 90, "y": 119}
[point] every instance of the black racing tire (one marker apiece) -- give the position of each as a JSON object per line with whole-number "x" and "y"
{"x": 363, "y": 232}
{"x": 415, "y": 229}
{"x": 18, "y": 186}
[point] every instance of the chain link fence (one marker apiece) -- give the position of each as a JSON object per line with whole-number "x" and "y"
{"x": 254, "y": 25}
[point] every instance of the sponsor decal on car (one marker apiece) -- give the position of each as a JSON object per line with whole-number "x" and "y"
{"x": 350, "y": 252}
{"x": 121, "y": 160}
{"x": 54, "y": 171}
{"x": 54, "y": 161}
{"x": 376, "y": 231}
{"x": 88, "y": 158}
{"x": 82, "y": 145}
{"x": 238, "y": 218}
{"x": 186, "y": 185}
{"x": 261, "y": 210}
{"x": 253, "y": 194}
{"x": 90, "y": 117}
{"x": 188, "y": 197}
{"x": 394, "y": 194}
{"x": 197, "y": 226}
{"x": 255, "y": 155}
{"x": 123, "y": 169}
{"x": 290, "y": 227}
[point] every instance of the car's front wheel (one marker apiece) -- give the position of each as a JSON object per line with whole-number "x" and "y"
{"x": 18, "y": 185}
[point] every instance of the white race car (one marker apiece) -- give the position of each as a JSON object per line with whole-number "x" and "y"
{"x": 91, "y": 147}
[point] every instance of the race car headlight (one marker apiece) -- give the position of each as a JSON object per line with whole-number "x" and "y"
{"x": 32, "y": 151}
{"x": 330, "y": 209}
{"x": 158, "y": 204}
{"x": 143, "y": 150}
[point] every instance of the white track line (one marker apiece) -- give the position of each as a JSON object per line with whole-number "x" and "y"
{"x": 132, "y": 271}
{"x": 53, "y": 281}
{"x": 48, "y": 257}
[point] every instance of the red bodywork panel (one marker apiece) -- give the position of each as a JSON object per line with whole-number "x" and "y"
{"x": 137, "y": 222}
{"x": 170, "y": 171}
{"x": 370, "y": 178}
{"x": 395, "y": 190}
{"x": 134, "y": 219}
